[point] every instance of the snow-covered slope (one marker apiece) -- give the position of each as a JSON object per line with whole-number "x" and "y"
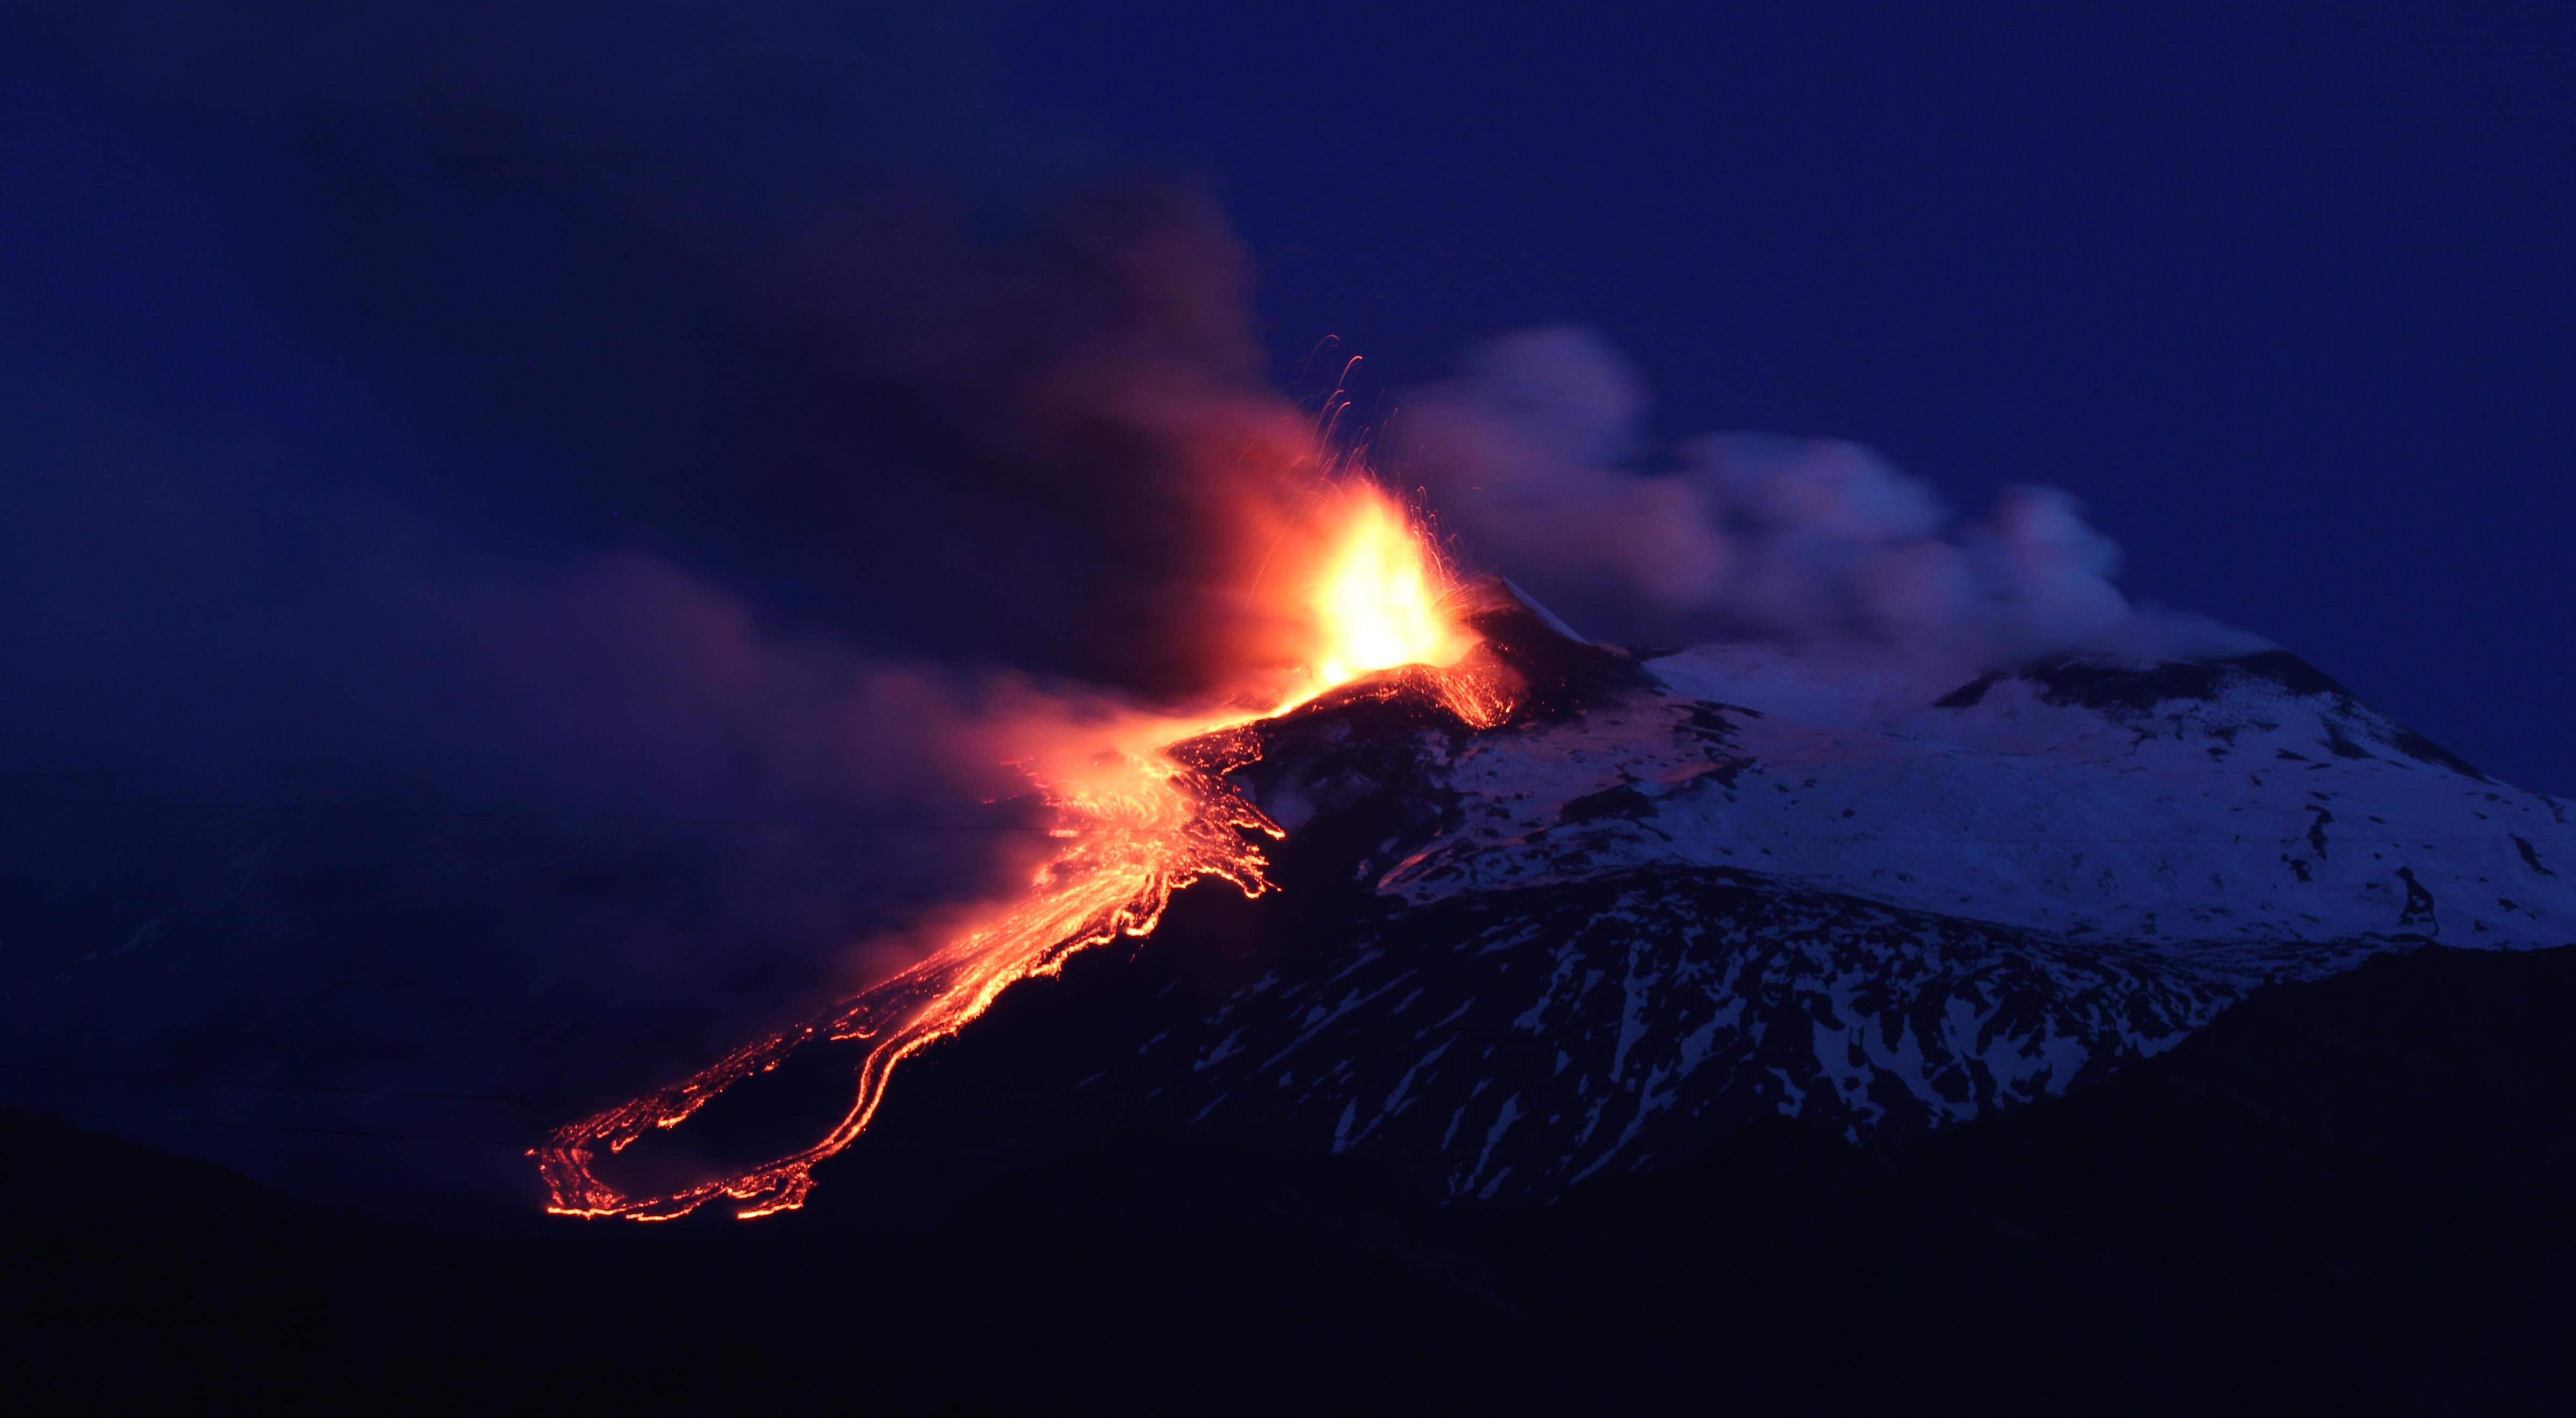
{"x": 1682, "y": 892}
{"x": 2235, "y": 801}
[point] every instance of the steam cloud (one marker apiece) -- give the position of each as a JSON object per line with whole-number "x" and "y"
{"x": 1532, "y": 457}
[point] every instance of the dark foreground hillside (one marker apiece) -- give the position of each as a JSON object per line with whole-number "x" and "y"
{"x": 2350, "y": 1196}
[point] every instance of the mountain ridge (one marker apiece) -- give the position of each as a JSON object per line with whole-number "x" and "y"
{"x": 1672, "y": 897}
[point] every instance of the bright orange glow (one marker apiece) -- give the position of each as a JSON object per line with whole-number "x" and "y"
{"x": 1380, "y": 601}
{"x": 1143, "y": 812}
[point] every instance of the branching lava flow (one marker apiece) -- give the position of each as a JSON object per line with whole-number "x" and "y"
{"x": 1146, "y": 813}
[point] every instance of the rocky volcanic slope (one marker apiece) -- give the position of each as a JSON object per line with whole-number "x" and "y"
{"x": 1681, "y": 893}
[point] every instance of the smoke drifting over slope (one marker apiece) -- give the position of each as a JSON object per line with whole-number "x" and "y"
{"x": 725, "y": 418}
{"x": 1533, "y": 455}
{"x": 655, "y": 409}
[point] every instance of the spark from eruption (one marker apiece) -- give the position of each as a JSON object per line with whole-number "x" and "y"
{"x": 1143, "y": 813}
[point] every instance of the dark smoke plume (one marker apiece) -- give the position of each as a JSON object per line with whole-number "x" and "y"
{"x": 723, "y": 433}
{"x": 765, "y": 289}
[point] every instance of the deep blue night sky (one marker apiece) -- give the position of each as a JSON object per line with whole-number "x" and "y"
{"x": 2283, "y": 293}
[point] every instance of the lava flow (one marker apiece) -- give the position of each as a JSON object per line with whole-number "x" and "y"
{"x": 1146, "y": 813}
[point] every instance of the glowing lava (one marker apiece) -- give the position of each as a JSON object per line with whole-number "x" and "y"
{"x": 1382, "y": 601}
{"x": 1142, "y": 815}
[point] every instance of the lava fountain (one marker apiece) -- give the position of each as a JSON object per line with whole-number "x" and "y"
{"x": 1142, "y": 811}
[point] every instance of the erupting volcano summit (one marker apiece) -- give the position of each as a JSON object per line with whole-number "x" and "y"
{"x": 1555, "y": 908}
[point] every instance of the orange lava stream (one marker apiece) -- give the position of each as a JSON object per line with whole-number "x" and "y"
{"x": 1140, "y": 822}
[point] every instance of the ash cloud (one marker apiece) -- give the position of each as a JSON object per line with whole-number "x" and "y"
{"x": 599, "y": 404}
{"x": 723, "y": 433}
{"x": 765, "y": 289}
{"x": 1538, "y": 460}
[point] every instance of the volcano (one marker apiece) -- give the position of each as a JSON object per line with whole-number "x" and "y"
{"x": 1588, "y": 925}
{"x": 1671, "y": 894}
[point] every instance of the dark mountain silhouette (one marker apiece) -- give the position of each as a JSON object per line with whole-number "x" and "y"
{"x": 2346, "y": 1195}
